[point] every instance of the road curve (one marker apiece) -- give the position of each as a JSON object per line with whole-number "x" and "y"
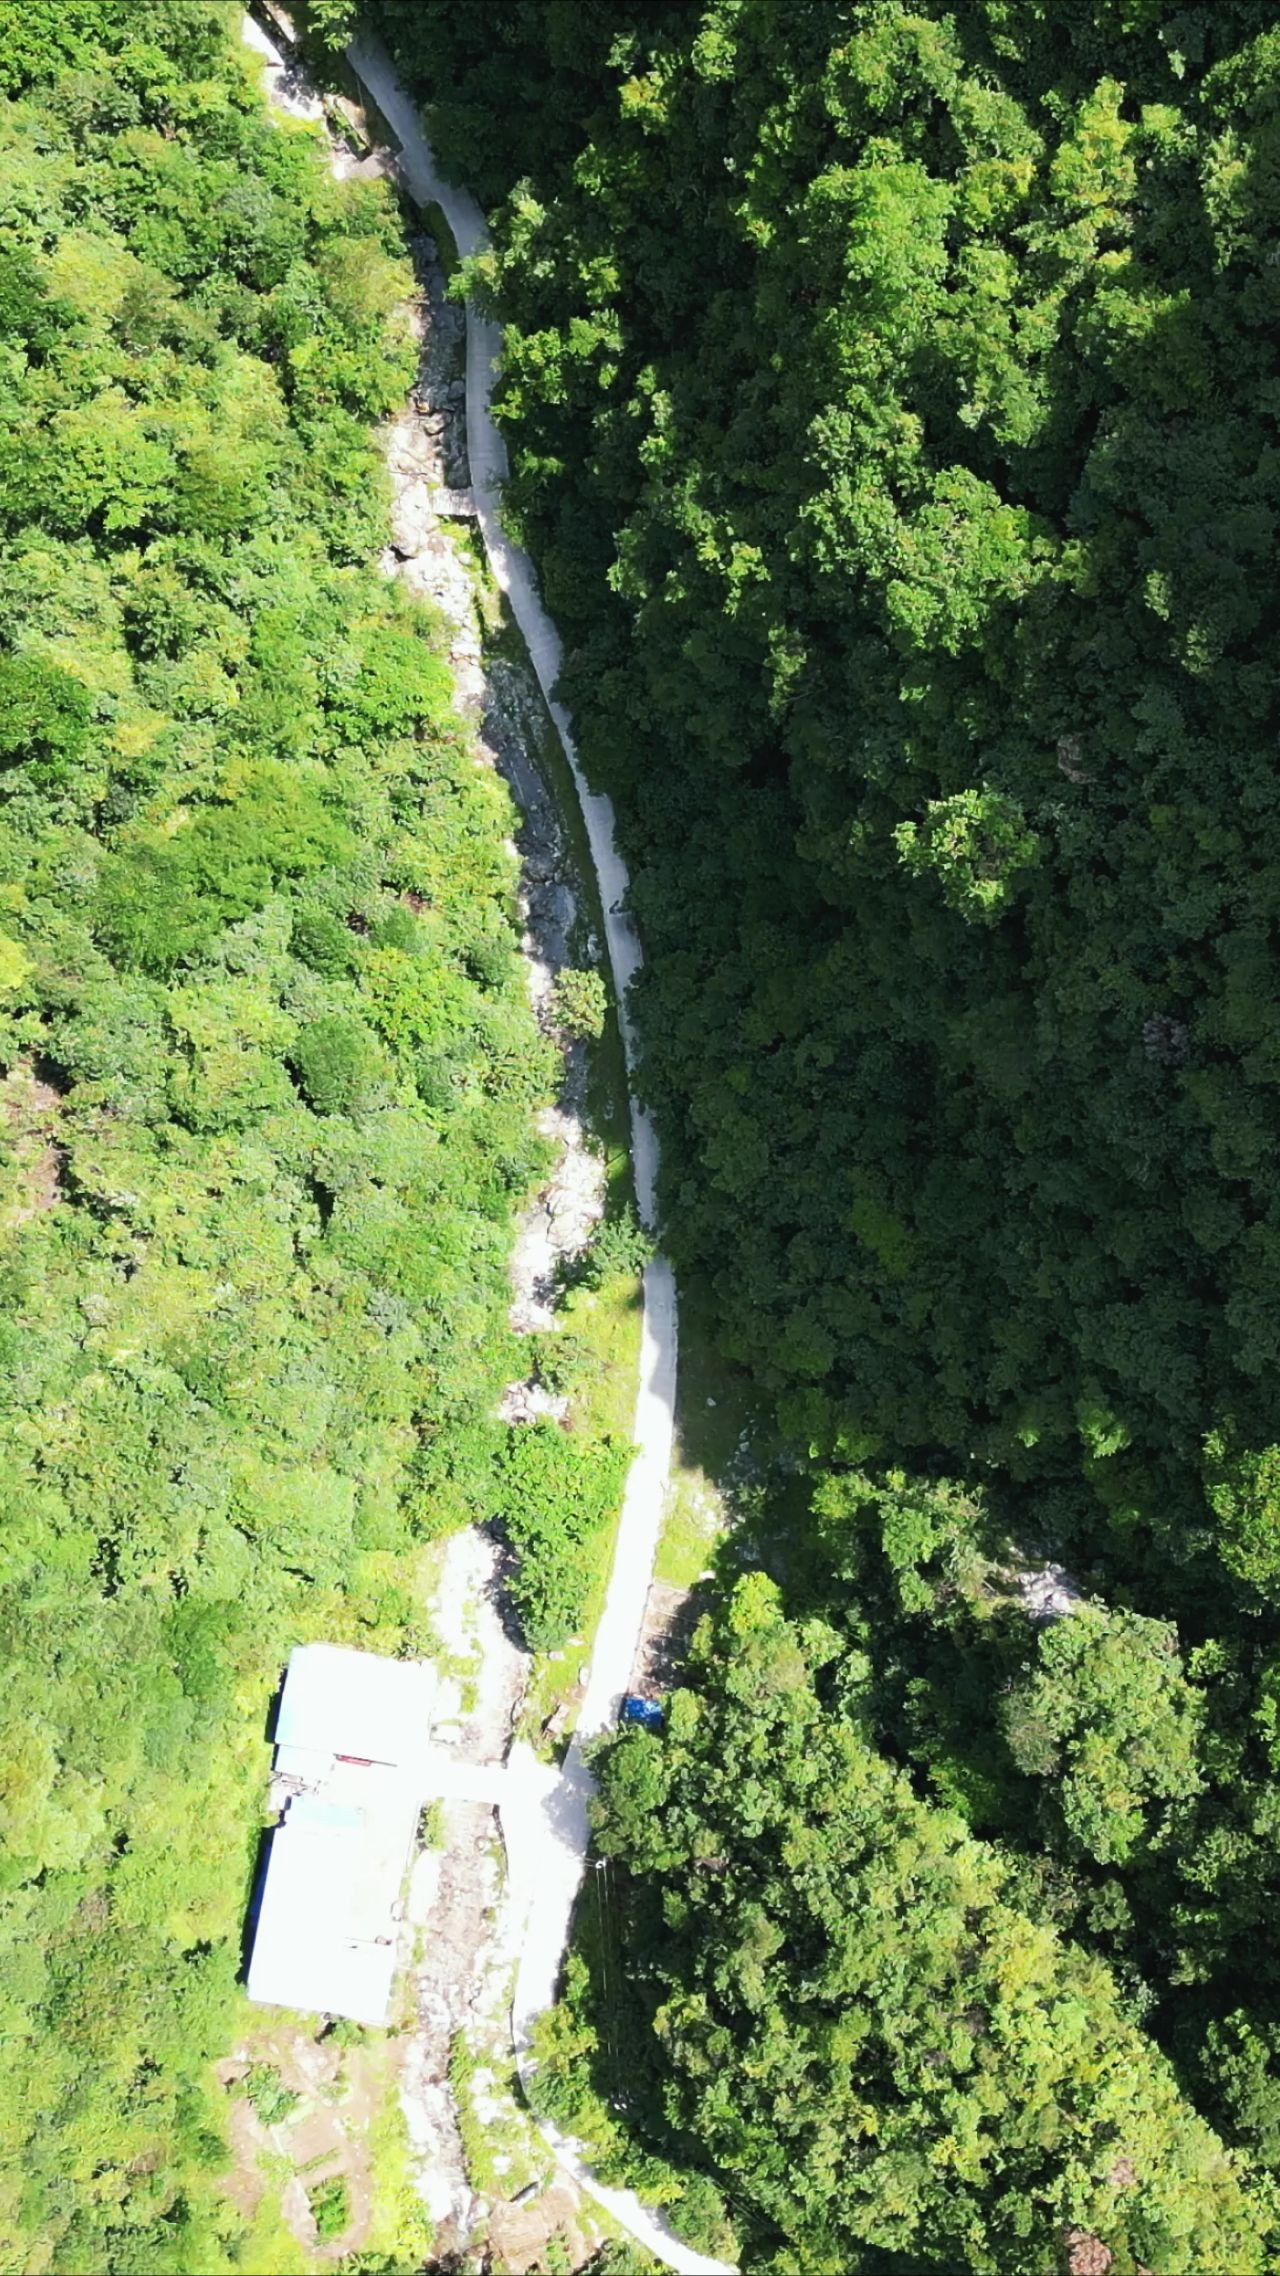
{"x": 547, "y": 1832}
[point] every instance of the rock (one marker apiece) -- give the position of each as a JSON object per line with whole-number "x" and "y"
{"x": 525, "y": 1402}
{"x": 1048, "y": 1593}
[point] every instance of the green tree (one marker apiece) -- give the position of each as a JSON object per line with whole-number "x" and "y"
{"x": 337, "y": 1063}
{"x": 866, "y": 2039}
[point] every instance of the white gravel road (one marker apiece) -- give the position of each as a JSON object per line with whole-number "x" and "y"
{"x": 545, "y": 1823}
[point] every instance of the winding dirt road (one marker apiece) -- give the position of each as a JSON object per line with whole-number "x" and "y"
{"x": 545, "y": 1823}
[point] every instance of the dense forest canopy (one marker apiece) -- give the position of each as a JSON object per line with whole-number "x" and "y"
{"x": 897, "y": 2067}
{"x": 895, "y": 410}
{"x": 268, "y": 1068}
{"x": 894, "y": 418}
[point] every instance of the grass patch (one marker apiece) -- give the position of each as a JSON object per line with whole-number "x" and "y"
{"x": 501, "y": 2151}
{"x": 399, "y": 2227}
{"x": 692, "y": 1527}
{"x": 330, "y": 2204}
{"x": 605, "y": 1322}
{"x": 269, "y": 2242}
{"x": 401, "y": 2233}
{"x": 446, "y": 244}
{"x": 712, "y": 1438}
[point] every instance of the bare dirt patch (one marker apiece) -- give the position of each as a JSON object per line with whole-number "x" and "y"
{"x": 325, "y": 2136}
{"x": 670, "y": 1617}
{"x": 519, "y": 2234}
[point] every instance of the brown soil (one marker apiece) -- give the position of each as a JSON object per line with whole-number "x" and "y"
{"x": 322, "y": 2139}
{"x": 670, "y": 1616}
{"x": 520, "y": 2234}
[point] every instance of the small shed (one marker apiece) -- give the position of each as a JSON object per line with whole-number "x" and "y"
{"x": 351, "y": 1743}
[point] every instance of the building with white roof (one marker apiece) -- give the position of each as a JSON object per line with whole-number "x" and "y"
{"x": 352, "y": 1746}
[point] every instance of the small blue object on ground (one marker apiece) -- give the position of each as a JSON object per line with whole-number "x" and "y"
{"x": 647, "y": 1713}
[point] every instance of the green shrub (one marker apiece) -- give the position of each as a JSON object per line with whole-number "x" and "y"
{"x": 557, "y": 1490}
{"x": 337, "y": 1060}
{"x": 166, "y": 893}
{"x": 44, "y": 716}
{"x": 579, "y": 1003}
{"x": 330, "y": 2208}
{"x": 322, "y": 941}
{"x": 621, "y": 1249}
{"x": 263, "y": 2087}
{"x": 399, "y": 683}
{"x": 399, "y": 929}
{"x": 489, "y": 958}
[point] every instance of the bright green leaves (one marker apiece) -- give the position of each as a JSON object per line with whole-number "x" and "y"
{"x": 338, "y": 1064}
{"x": 927, "y": 1531}
{"x": 579, "y": 1004}
{"x": 877, "y": 234}
{"x": 1093, "y": 171}
{"x": 26, "y": 316}
{"x": 555, "y": 1494}
{"x": 44, "y": 717}
{"x": 51, "y": 1810}
{"x": 952, "y": 560}
{"x": 390, "y": 682}
{"x": 166, "y": 892}
{"x": 976, "y": 845}
{"x": 868, "y": 2041}
{"x": 321, "y": 940}
{"x": 1242, "y": 1485}
{"x": 1109, "y": 1716}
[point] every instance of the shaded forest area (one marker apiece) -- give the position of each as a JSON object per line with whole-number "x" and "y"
{"x": 895, "y": 422}
{"x": 269, "y": 1069}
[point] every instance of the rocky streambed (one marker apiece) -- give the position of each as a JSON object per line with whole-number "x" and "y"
{"x": 460, "y": 1937}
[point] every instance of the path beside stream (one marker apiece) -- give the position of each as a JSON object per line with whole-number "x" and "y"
{"x": 439, "y": 475}
{"x": 548, "y": 1837}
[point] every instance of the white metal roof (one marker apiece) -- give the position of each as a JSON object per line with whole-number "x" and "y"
{"x": 353, "y": 1735}
{"x": 338, "y": 1701}
{"x": 326, "y": 1934}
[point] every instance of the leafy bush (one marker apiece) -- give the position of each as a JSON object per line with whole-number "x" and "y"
{"x": 1109, "y": 1717}
{"x": 488, "y": 958}
{"x": 44, "y": 716}
{"x": 272, "y": 2100}
{"x": 166, "y": 893}
{"x": 330, "y": 2204}
{"x": 322, "y": 940}
{"x": 579, "y": 1003}
{"x": 556, "y": 1492}
{"x": 337, "y": 1062}
{"x": 620, "y": 1249}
